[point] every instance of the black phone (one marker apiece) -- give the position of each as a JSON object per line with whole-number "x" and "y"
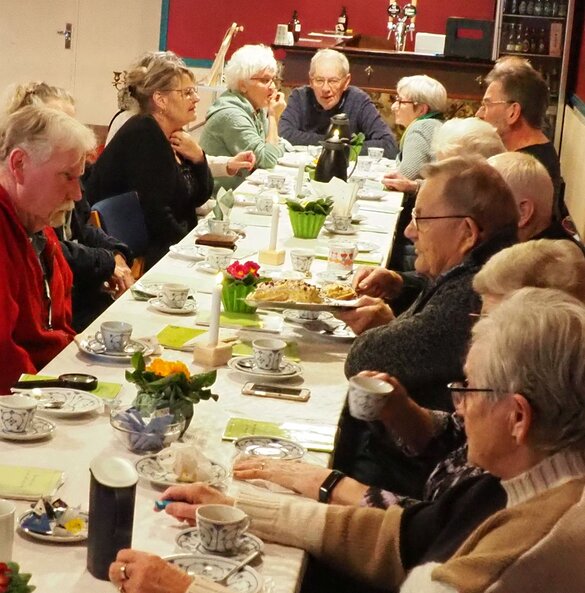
{"x": 276, "y": 391}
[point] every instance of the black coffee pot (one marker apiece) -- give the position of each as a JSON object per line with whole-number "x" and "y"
{"x": 333, "y": 161}
{"x": 338, "y": 123}
{"x": 111, "y": 512}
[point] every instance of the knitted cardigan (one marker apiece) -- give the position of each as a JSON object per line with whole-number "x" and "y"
{"x": 416, "y": 147}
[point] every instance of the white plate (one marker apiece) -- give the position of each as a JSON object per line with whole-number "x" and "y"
{"x": 74, "y": 401}
{"x": 92, "y": 347}
{"x": 39, "y": 429}
{"x": 148, "y": 288}
{"x": 189, "y": 252}
{"x": 246, "y": 580}
{"x": 252, "y": 210}
{"x": 189, "y": 307}
{"x": 294, "y": 316}
{"x": 329, "y": 305}
{"x": 150, "y": 468}
{"x": 289, "y": 370}
{"x": 190, "y": 541}
{"x": 275, "y": 447}
{"x": 295, "y": 159}
{"x": 371, "y": 195}
{"x": 366, "y": 247}
{"x": 60, "y": 539}
{"x": 204, "y": 267}
{"x": 330, "y": 229}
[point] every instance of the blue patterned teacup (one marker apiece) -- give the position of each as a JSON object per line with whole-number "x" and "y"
{"x": 16, "y": 412}
{"x": 367, "y": 396}
{"x": 221, "y": 527}
{"x": 268, "y": 353}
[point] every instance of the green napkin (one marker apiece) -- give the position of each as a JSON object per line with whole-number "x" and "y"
{"x": 245, "y": 349}
{"x": 174, "y": 336}
{"x": 104, "y": 389}
{"x": 229, "y": 319}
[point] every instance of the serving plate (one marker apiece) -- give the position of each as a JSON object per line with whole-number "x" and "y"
{"x": 330, "y": 305}
{"x": 150, "y": 468}
{"x": 188, "y": 252}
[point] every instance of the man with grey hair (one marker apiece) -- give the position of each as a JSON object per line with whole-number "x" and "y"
{"x": 42, "y": 156}
{"x": 533, "y": 191}
{"x": 309, "y": 109}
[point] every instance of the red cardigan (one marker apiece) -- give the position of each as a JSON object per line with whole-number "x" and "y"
{"x": 26, "y": 343}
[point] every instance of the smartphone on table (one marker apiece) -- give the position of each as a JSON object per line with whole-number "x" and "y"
{"x": 264, "y": 390}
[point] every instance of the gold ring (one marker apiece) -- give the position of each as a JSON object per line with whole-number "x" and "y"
{"x": 123, "y": 573}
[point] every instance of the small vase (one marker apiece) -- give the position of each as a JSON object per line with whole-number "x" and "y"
{"x": 233, "y": 295}
{"x": 306, "y": 225}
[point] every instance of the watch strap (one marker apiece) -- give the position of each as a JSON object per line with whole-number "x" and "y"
{"x": 329, "y": 484}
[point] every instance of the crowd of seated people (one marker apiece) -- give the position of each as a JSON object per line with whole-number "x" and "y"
{"x": 472, "y": 477}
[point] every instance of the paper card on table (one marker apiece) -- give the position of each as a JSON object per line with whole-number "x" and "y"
{"x": 315, "y": 437}
{"x": 29, "y": 483}
{"x": 236, "y": 320}
{"x": 175, "y": 336}
{"x": 105, "y": 390}
{"x": 245, "y": 349}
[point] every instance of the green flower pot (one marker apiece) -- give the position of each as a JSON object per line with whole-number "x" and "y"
{"x": 233, "y": 295}
{"x": 306, "y": 225}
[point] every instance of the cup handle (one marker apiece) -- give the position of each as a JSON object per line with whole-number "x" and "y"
{"x": 247, "y": 523}
{"x": 99, "y": 338}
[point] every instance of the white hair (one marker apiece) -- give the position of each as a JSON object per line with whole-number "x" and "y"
{"x": 424, "y": 90}
{"x": 42, "y": 130}
{"x": 466, "y": 136}
{"x": 533, "y": 344}
{"x": 334, "y": 56}
{"x": 248, "y": 61}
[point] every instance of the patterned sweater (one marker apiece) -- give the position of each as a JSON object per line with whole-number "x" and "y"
{"x": 416, "y": 147}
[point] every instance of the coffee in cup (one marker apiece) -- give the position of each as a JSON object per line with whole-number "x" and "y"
{"x": 114, "y": 335}
{"x": 221, "y": 527}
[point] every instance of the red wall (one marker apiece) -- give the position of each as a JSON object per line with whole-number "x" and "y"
{"x": 196, "y": 27}
{"x": 580, "y": 82}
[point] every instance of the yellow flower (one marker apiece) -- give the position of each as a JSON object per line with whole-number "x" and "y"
{"x": 164, "y": 368}
{"x": 75, "y": 526}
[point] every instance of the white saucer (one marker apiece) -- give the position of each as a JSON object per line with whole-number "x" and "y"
{"x": 203, "y": 266}
{"x": 288, "y": 370}
{"x": 330, "y": 229}
{"x": 246, "y": 580}
{"x": 371, "y": 195}
{"x": 342, "y": 332}
{"x": 366, "y": 247}
{"x": 92, "y": 347}
{"x": 188, "y": 252}
{"x": 252, "y": 210}
{"x": 274, "y": 447}
{"x": 189, "y": 307}
{"x": 190, "y": 541}
{"x": 356, "y": 219}
{"x": 74, "y": 402}
{"x": 48, "y": 537}
{"x": 39, "y": 429}
{"x": 294, "y": 316}
{"x": 150, "y": 468}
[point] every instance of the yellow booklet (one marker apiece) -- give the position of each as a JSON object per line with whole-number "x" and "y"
{"x": 29, "y": 483}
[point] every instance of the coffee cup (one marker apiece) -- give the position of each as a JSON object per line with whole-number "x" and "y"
{"x": 218, "y": 227}
{"x": 264, "y": 204}
{"x": 375, "y": 153}
{"x": 301, "y": 260}
{"x": 221, "y": 527}
{"x": 268, "y": 353}
{"x": 341, "y": 223}
{"x": 367, "y": 396}
{"x": 7, "y": 510}
{"x": 114, "y": 335}
{"x": 174, "y": 296}
{"x": 276, "y": 182}
{"x": 341, "y": 256}
{"x": 218, "y": 257}
{"x": 16, "y": 412}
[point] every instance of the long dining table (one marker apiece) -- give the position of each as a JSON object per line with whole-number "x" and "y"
{"x": 76, "y": 441}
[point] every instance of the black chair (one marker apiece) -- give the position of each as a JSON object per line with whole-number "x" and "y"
{"x": 121, "y": 217}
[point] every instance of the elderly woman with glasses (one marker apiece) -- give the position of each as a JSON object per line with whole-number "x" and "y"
{"x": 246, "y": 116}
{"x": 524, "y": 412}
{"x": 152, "y": 155}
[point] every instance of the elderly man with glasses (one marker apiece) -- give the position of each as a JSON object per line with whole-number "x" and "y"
{"x": 310, "y": 108}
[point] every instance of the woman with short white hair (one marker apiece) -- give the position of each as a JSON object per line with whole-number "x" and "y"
{"x": 246, "y": 116}
{"x": 466, "y": 137}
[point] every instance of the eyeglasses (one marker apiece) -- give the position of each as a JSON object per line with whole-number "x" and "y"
{"x": 334, "y": 83}
{"x": 188, "y": 93}
{"x": 416, "y": 219}
{"x": 460, "y": 389}
{"x": 397, "y": 99}
{"x": 486, "y": 103}
{"x": 266, "y": 80}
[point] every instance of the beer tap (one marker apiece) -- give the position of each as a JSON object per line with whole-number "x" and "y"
{"x": 398, "y": 25}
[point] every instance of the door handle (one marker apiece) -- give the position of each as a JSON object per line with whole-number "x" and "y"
{"x": 369, "y": 71}
{"x": 67, "y": 34}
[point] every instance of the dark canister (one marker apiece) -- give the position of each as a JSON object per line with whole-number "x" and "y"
{"x": 333, "y": 161}
{"x": 111, "y": 512}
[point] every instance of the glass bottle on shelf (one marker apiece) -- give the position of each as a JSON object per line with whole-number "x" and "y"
{"x": 513, "y": 7}
{"x": 526, "y": 42}
{"x": 511, "y": 39}
{"x": 533, "y": 42}
{"x": 538, "y": 7}
{"x": 294, "y": 26}
{"x": 554, "y": 81}
{"x": 555, "y": 8}
{"x": 563, "y": 8}
{"x": 547, "y": 8}
{"x": 518, "y": 41}
{"x": 522, "y": 7}
{"x": 542, "y": 42}
{"x": 342, "y": 26}
{"x": 530, "y": 7}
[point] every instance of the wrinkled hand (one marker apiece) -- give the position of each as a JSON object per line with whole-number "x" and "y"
{"x": 185, "y": 145}
{"x": 370, "y": 312}
{"x": 146, "y": 573}
{"x": 189, "y": 497}
{"x": 398, "y": 182}
{"x": 121, "y": 280}
{"x": 242, "y": 160}
{"x": 303, "y": 478}
{"x": 377, "y": 282}
{"x": 277, "y": 105}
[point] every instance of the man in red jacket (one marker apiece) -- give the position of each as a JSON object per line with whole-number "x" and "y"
{"x": 42, "y": 155}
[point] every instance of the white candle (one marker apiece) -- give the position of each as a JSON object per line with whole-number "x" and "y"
{"x": 274, "y": 225}
{"x": 215, "y": 312}
{"x": 300, "y": 179}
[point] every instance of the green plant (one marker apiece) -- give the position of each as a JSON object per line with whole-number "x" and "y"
{"x": 320, "y": 206}
{"x": 164, "y": 384}
{"x": 356, "y": 143}
{"x": 13, "y": 581}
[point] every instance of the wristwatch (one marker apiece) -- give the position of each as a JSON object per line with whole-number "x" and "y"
{"x": 328, "y": 484}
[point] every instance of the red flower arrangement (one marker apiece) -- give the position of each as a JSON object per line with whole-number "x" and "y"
{"x": 238, "y": 281}
{"x": 12, "y": 581}
{"x": 247, "y": 273}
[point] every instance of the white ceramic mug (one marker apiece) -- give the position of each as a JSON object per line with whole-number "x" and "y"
{"x": 173, "y": 295}
{"x": 218, "y": 257}
{"x": 268, "y": 353}
{"x": 219, "y": 227}
{"x": 264, "y": 204}
{"x": 221, "y": 527}
{"x": 16, "y": 412}
{"x": 367, "y": 396}
{"x": 274, "y": 181}
{"x": 7, "y": 509}
{"x": 114, "y": 335}
{"x": 341, "y": 256}
{"x": 302, "y": 260}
